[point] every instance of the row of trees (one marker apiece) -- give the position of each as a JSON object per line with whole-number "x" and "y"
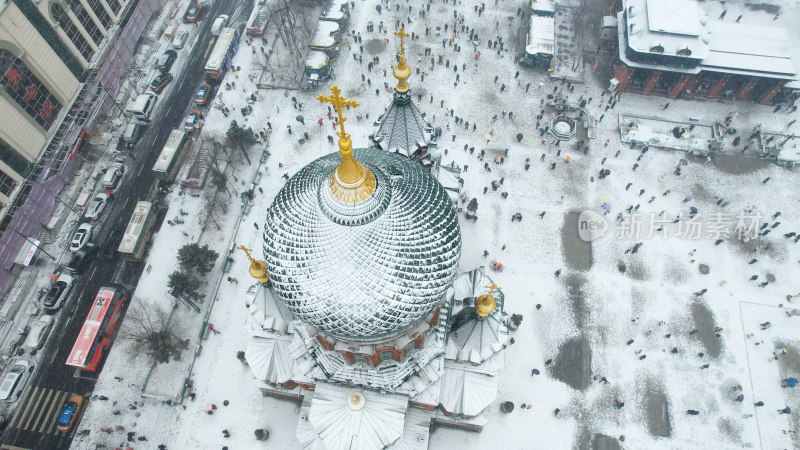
{"x": 153, "y": 333}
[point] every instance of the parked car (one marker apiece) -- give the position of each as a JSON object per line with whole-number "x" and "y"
{"x": 113, "y": 175}
{"x": 166, "y": 59}
{"x": 194, "y": 121}
{"x": 180, "y": 40}
{"x": 96, "y": 207}
{"x": 132, "y": 133}
{"x": 12, "y": 379}
{"x": 203, "y": 94}
{"x": 192, "y": 13}
{"x": 58, "y": 292}
{"x": 81, "y": 259}
{"x": 219, "y": 24}
{"x": 159, "y": 82}
{"x": 81, "y": 237}
{"x": 39, "y": 332}
{"x": 70, "y": 412}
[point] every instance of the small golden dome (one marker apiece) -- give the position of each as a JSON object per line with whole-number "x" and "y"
{"x": 485, "y": 305}
{"x": 258, "y": 269}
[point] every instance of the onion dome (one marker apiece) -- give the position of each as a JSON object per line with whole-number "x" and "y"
{"x": 361, "y": 245}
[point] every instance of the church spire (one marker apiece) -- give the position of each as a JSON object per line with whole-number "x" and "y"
{"x": 351, "y": 182}
{"x": 401, "y": 70}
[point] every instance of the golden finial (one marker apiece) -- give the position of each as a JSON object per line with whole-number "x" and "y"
{"x": 356, "y": 401}
{"x": 401, "y": 70}
{"x": 351, "y": 182}
{"x": 485, "y": 304}
{"x": 258, "y": 269}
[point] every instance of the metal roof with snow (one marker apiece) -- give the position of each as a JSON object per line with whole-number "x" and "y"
{"x": 316, "y": 59}
{"x": 680, "y": 28}
{"x": 673, "y": 26}
{"x": 378, "y": 423}
{"x": 465, "y": 392}
{"x": 401, "y": 127}
{"x": 541, "y": 37}
{"x": 270, "y": 359}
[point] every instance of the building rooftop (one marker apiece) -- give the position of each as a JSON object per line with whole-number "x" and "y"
{"x": 682, "y": 29}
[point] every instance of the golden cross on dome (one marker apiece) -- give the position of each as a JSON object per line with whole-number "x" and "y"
{"x": 351, "y": 182}
{"x": 338, "y": 102}
{"x": 402, "y": 33}
{"x": 493, "y": 287}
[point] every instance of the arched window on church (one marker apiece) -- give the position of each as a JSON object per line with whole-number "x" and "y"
{"x": 74, "y": 35}
{"x": 24, "y": 88}
{"x": 85, "y": 20}
{"x": 100, "y": 12}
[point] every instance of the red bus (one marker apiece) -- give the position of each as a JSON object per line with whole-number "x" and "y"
{"x": 98, "y": 329}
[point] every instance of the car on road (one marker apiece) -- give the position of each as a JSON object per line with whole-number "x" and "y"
{"x": 81, "y": 237}
{"x": 203, "y": 94}
{"x": 69, "y": 413}
{"x": 166, "y": 59}
{"x": 12, "y": 379}
{"x": 180, "y": 40}
{"x": 81, "y": 259}
{"x": 58, "y": 292}
{"x": 96, "y": 207}
{"x": 39, "y": 332}
{"x": 132, "y": 133}
{"x": 113, "y": 175}
{"x": 194, "y": 121}
{"x": 219, "y": 24}
{"x": 159, "y": 82}
{"x": 192, "y": 13}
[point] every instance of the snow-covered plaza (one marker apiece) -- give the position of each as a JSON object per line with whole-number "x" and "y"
{"x": 667, "y": 313}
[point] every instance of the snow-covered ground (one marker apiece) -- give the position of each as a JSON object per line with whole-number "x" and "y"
{"x": 589, "y": 312}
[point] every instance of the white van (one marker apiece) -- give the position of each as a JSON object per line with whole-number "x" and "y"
{"x": 12, "y": 379}
{"x": 219, "y": 24}
{"x": 143, "y": 106}
{"x": 132, "y": 133}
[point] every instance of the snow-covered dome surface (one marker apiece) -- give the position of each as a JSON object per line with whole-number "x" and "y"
{"x": 367, "y": 271}
{"x": 562, "y": 127}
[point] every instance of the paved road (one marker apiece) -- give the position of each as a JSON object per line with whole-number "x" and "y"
{"x": 32, "y": 424}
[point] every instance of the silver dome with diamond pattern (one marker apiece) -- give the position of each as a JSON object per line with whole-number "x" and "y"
{"x": 362, "y": 271}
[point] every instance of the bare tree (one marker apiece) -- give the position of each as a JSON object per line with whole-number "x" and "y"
{"x": 216, "y": 207}
{"x": 150, "y": 329}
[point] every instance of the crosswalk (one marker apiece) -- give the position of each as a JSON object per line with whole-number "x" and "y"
{"x": 39, "y": 409}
